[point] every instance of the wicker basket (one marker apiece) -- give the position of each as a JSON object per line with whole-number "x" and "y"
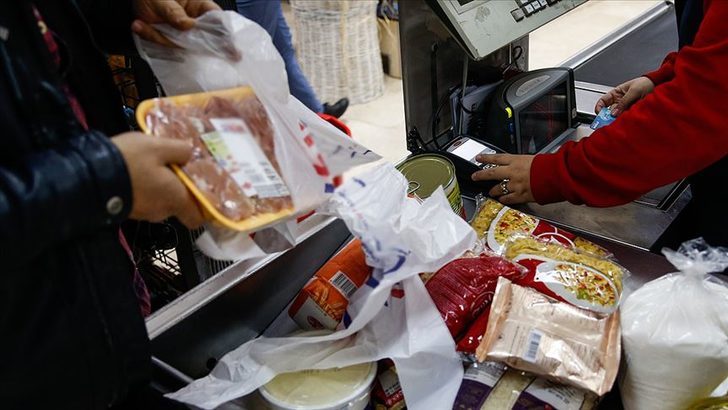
{"x": 338, "y": 48}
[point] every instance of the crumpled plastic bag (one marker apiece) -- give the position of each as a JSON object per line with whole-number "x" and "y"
{"x": 391, "y": 316}
{"x": 225, "y": 50}
{"x": 675, "y": 332}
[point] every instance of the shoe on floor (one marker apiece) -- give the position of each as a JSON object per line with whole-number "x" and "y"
{"x": 336, "y": 109}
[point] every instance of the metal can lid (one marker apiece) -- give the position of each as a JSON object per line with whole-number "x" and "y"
{"x": 426, "y": 172}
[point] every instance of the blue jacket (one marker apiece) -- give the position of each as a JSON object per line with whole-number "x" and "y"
{"x": 71, "y": 332}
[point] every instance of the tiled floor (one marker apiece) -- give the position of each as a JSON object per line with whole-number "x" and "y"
{"x": 380, "y": 124}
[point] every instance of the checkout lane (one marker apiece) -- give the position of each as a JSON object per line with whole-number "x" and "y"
{"x": 193, "y": 356}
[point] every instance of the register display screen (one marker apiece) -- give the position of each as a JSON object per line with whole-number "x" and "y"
{"x": 544, "y": 120}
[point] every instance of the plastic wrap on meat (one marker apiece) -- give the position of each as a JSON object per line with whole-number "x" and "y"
{"x": 190, "y": 122}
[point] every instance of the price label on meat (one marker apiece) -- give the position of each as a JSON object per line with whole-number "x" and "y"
{"x": 235, "y": 150}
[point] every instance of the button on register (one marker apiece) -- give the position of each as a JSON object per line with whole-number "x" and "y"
{"x": 543, "y": 3}
{"x": 551, "y": 2}
{"x": 528, "y": 9}
{"x": 518, "y": 14}
{"x": 536, "y": 5}
{"x": 523, "y": 2}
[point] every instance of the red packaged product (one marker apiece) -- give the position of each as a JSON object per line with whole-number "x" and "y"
{"x": 387, "y": 393}
{"x": 464, "y": 287}
{"x": 474, "y": 335}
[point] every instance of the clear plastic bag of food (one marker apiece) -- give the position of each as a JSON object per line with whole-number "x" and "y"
{"x": 537, "y": 334}
{"x": 675, "y": 332}
{"x": 578, "y": 278}
{"x": 495, "y": 223}
{"x": 463, "y": 288}
{"x": 493, "y": 386}
{"x": 260, "y": 156}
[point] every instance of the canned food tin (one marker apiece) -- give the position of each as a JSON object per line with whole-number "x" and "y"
{"x": 426, "y": 172}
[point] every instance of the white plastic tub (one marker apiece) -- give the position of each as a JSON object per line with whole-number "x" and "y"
{"x": 331, "y": 389}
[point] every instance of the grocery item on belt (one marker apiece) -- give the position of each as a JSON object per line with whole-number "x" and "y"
{"x": 472, "y": 338}
{"x": 427, "y": 172}
{"x": 338, "y": 388}
{"x": 496, "y": 223}
{"x": 581, "y": 279}
{"x": 532, "y": 332}
{"x": 492, "y": 386}
{"x": 321, "y": 304}
{"x": 233, "y": 172}
{"x": 675, "y": 332}
{"x": 464, "y": 287}
{"x": 387, "y": 392}
{"x": 713, "y": 403}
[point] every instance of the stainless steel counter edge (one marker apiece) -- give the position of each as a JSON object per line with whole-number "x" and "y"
{"x": 635, "y": 24}
{"x": 199, "y": 296}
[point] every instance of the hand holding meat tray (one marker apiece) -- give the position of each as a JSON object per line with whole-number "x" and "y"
{"x": 259, "y": 155}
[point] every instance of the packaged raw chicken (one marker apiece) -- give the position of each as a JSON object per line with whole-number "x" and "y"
{"x": 322, "y": 302}
{"x": 233, "y": 172}
{"x": 496, "y": 222}
{"x": 581, "y": 279}
{"x": 537, "y": 334}
{"x": 260, "y": 156}
{"x": 463, "y": 288}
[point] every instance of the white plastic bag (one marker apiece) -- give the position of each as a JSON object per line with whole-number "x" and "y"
{"x": 392, "y": 316}
{"x": 675, "y": 332}
{"x": 226, "y": 50}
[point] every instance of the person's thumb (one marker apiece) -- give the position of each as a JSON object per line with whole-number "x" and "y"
{"x": 173, "y": 151}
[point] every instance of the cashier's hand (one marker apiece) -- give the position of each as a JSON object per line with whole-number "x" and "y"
{"x": 180, "y": 14}
{"x": 514, "y": 174}
{"x": 620, "y": 98}
{"x": 156, "y": 191}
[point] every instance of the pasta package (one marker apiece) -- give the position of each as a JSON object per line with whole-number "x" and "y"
{"x": 531, "y": 332}
{"x": 493, "y": 386}
{"x": 581, "y": 279}
{"x": 322, "y": 302}
{"x": 463, "y": 288}
{"x": 233, "y": 173}
{"x": 496, "y": 222}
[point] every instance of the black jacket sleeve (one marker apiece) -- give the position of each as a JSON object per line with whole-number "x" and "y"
{"x": 110, "y": 23}
{"x": 58, "y": 194}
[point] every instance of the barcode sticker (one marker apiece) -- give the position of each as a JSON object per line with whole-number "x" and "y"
{"x": 235, "y": 150}
{"x": 343, "y": 284}
{"x": 534, "y": 340}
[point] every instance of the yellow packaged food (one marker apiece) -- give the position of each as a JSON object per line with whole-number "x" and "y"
{"x": 496, "y": 222}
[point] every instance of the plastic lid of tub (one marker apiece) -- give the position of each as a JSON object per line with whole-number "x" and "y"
{"x": 319, "y": 389}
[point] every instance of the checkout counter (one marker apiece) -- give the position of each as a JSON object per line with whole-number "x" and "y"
{"x": 441, "y": 49}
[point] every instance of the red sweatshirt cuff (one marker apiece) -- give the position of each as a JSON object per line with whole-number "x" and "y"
{"x": 665, "y": 72}
{"x": 545, "y": 184}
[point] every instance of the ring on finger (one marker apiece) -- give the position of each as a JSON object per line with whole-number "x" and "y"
{"x": 504, "y": 186}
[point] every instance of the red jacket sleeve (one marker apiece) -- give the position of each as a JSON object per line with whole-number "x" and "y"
{"x": 677, "y": 130}
{"x": 666, "y": 71}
